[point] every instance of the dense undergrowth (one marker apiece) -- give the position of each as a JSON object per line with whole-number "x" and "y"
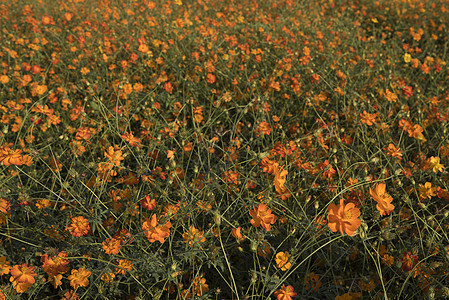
{"x": 231, "y": 149}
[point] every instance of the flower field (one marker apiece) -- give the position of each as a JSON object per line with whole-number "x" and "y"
{"x": 211, "y": 149}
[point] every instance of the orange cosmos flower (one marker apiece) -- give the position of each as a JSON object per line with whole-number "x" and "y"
{"x": 10, "y": 157}
{"x": 264, "y": 128}
{"x": 22, "y": 277}
{"x": 344, "y": 218}
{"x": 148, "y": 203}
{"x": 285, "y": 293}
{"x": 367, "y": 118}
{"x": 111, "y": 246}
{"x": 114, "y": 155}
{"x": 236, "y": 232}
{"x": 154, "y": 231}
{"x": 282, "y": 261}
{"x": 193, "y": 236}
{"x": 393, "y": 151}
{"x": 279, "y": 178}
{"x": 124, "y": 265}
{"x": 382, "y": 198}
{"x": 79, "y": 278}
{"x": 79, "y": 227}
{"x": 262, "y": 216}
{"x": 426, "y": 191}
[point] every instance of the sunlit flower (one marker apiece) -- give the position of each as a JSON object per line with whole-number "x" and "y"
{"x": 282, "y": 261}
{"x": 344, "y": 218}
{"x": 285, "y": 293}
{"x": 262, "y": 216}
{"x": 382, "y": 198}
{"x": 108, "y": 277}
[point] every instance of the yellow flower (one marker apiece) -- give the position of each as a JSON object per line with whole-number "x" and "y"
{"x": 426, "y": 191}
{"x": 282, "y": 261}
{"x": 434, "y": 164}
{"x": 407, "y": 58}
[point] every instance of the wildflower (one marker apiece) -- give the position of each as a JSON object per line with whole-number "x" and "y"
{"x": 199, "y": 286}
{"x": 79, "y": 278}
{"x": 407, "y": 58}
{"x": 5, "y": 267}
{"x": 70, "y": 295}
{"x": 124, "y": 265}
{"x": 383, "y": 199}
{"x": 426, "y": 191}
{"x": 262, "y": 216}
{"x": 79, "y": 227}
{"x": 393, "y": 151}
{"x": 131, "y": 139}
{"x": 114, "y": 155}
{"x": 409, "y": 261}
{"x": 148, "y": 203}
{"x": 108, "y": 277}
{"x": 193, "y": 236}
{"x": 282, "y": 261}
{"x": 279, "y": 178}
{"x": 285, "y": 293}
{"x": 154, "y": 231}
{"x": 264, "y": 128}
{"x": 10, "y": 157}
{"x": 367, "y": 118}
{"x": 236, "y": 232}
{"x": 344, "y": 218}
{"x": 111, "y": 246}
{"x": 22, "y": 277}
{"x": 434, "y": 164}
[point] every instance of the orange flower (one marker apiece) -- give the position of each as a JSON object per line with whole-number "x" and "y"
{"x": 279, "y": 178}
{"x": 367, "y": 118}
{"x": 264, "y": 128}
{"x": 426, "y": 191}
{"x": 148, "y": 203}
{"x": 154, "y": 231}
{"x": 4, "y": 79}
{"x": 382, "y": 198}
{"x": 111, "y": 246}
{"x": 10, "y": 157}
{"x": 282, "y": 261}
{"x": 79, "y": 227}
{"x": 124, "y": 265}
{"x": 262, "y": 216}
{"x": 108, "y": 277}
{"x": 131, "y": 139}
{"x": 114, "y": 155}
{"x": 22, "y": 277}
{"x": 394, "y": 151}
{"x": 79, "y": 278}
{"x": 193, "y": 236}
{"x": 5, "y": 267}
{"x": 199, "y": 286}
{"x": 236, "y": 232}
{"x": 312, "y": 282}
{"x": 344, "y": 218}
{"x": 285, "y": 293}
